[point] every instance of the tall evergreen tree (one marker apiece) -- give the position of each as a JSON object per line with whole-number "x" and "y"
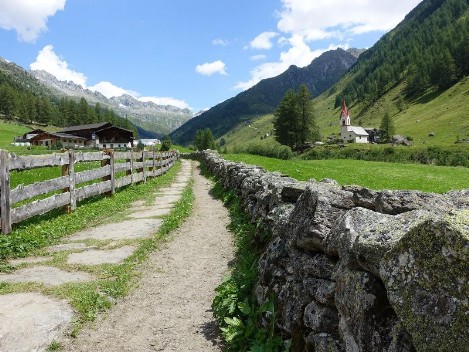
{"x": 285, "y": 120}
{"x": 204, "y": 140}
{"x": 387, "y": 127}
{"x": 308, "y": 130}
{"x": 294, "y": 121}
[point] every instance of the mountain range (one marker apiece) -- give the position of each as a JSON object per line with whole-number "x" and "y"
{"x": 151, "y": 117}
{"x": 264, "y": 97}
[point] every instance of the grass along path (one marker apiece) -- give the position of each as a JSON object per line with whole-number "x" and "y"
{"x": 374, "y": 175}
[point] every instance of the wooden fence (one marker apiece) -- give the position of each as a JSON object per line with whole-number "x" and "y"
{"x": 117, "y": 169}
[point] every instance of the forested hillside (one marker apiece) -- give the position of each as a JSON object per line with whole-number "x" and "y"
{"x": 429, "y": 50}
{"x": 23, "y": 98}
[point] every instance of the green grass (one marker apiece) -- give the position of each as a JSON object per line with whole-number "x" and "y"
{"x": 374, "y": 175}
{"x": 47, "y": 229}
{"x": 258, "y": 130}
{"x": 8, "y": 131}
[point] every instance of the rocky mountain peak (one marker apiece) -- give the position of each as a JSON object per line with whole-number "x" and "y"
{"x": 160, "y": 119}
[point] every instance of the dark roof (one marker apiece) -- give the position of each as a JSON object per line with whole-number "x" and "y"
{"x": 38, "y": 130}
{"x": 60, "y": 135}
{"x": 92, "y": 126}
{"x": 114, "y": 127}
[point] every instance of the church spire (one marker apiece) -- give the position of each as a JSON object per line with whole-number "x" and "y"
{"x": 344, "y": 115}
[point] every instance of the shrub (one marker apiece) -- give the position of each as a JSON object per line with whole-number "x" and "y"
{"x": 272, "y": 151}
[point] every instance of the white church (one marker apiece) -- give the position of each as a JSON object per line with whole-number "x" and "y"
{"x": 348, "y": 133}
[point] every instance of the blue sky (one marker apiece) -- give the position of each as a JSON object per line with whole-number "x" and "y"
{"x": 187, "y": 53}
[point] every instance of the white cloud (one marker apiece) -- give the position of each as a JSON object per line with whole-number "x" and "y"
{"x": 303, "y": 22}
{"x": 219, "y": 41}
{"x": 334, "y": 18}
{"x": 257, "y": 57}
{"x": 49, "y": 61}
{"x": 108, "y": 89}
{"x": 166, "y": 101}
{"x": 263, "y": 41}
{"x": 28, "y": 17}
{"x": 211, "y": 68}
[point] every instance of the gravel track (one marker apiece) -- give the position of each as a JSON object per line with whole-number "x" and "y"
{"x": 170, "y": 310}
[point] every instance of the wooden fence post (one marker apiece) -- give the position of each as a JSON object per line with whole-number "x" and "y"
{"x": 5, "y": 205}
{"x": 142, "y": 169}
{"x": 113, "y": 173}
{"x": 72, "y": 180}
{"x": 111, "y": 176}
{"x": 153, "y": 168}
{"x": 131, "y": 169}
{"x": 68, "y": 170}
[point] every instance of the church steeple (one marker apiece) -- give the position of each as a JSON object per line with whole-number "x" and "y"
{"x": 344, "y": 115}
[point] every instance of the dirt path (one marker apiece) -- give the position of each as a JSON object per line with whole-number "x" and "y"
{"x": 170, "y": 310}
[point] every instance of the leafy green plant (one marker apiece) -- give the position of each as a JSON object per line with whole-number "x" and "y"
{"x": 234, "y": 305}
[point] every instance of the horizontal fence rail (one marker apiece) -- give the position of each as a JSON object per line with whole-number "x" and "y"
{"x": 113, "y": 170}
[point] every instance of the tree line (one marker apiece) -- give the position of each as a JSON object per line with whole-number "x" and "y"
{"x": 32, "y": 107}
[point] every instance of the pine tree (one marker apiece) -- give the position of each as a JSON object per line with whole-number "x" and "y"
{"x": 387, "y": 127}
{"x": 166, "y": 144}
{"x": 285, "y": 119}
{"x": 204, "y": 140}
{"x": 308, "y": 130}
{"x": 294, "y": 122}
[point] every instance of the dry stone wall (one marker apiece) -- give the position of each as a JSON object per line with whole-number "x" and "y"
{"x": 354, "y": 269}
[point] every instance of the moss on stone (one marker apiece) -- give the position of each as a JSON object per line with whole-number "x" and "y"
{"x": 427, "y": 278}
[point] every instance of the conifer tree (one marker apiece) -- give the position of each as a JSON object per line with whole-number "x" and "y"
{"x": 294, "y": 121}
{"x": 387, "y": 127}
{"x": 204, "y": 140}
{"x": 166, "y": 144}
{"x": 285, "y": 119}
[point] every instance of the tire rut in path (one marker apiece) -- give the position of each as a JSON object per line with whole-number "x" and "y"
{"x": 170, "y": 310}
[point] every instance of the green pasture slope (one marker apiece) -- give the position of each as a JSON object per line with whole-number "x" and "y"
{"x": 374, "y": 175}
{"x": 8, "y": 131}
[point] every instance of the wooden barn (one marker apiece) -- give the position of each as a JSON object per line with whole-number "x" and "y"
{"x": 86, "y": 131}
{"x": 49, "y": 139}
{"x": 113, "y": 137}
{"x": 98, "y": 135}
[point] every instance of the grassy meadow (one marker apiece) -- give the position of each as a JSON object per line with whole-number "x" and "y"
{"x": 374, "y": 175}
